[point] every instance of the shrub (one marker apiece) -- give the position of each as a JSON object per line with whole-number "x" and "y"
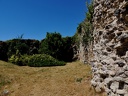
{"x": 25, "y": 59}
{"x": 25, "y": 46}
{"x": 3, "y": 51}
{"x": 17, "y": 59}
{"x": 37, "y": 60}
{"x": 42, "y": 60}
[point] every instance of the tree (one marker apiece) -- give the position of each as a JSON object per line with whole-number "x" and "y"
{"x": 67, "y": 50}
{"x": 52, "y": 45}
{"x": 3, "y": 51}
{"x": 57, "y": 46}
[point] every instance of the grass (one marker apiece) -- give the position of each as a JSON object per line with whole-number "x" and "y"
{"x": 4, "y": 81}
{"x": 73, "y": 79}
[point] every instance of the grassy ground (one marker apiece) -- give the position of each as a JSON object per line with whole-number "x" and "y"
{"x": 70, "y": 80}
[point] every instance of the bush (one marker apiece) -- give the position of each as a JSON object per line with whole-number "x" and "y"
{"x": 37, "y": 60}
{"x": 25, "y": 46}
{"x": 16, "y": 60}
{"x": 25, "y": 59}
{"x": 42, "y": 60}
{"x": 3, "y": 51}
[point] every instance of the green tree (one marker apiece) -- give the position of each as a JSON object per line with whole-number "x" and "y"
{"x": 57, "y": 46}
{"x": 17, "y": 44}
{"x": 52, "y": 45}
{"x": 3, "y": 51}
{"x": 67, "y": 49}
{"x": 22, "y": 47}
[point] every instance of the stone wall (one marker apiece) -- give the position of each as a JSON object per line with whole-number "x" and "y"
{"x": 110, "y": 62}
{"x": 85, "y": 50}
{"x": 82, "y": 51}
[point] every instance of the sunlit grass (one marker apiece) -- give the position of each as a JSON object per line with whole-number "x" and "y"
{"x": 70, "y": 80}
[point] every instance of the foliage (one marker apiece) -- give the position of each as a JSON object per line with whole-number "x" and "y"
{"x": 79, "y": 80}
{"x": 79, "y": 28}
{"x": 88, "y": 28}
{"x": 89, "y": 14}
{"x": 25, "y": 46}
{"x": 76, "y": 39}
{"x": 33, "y": 47}
{"x": 37, "y": 60}
{"x": 22, "y": 47}
{"x": 41, "y": 60}
{"x": 16, "y": 59}
{"x": 25, "y": 59}
{"x": 3, "y": 51}
{"x": 85, "y": 28}
{"x": 51, "y": 45}
{"x": 20, "y": 37}
{"x": 57, "y": 46}
{"x": 67, "y": 49}
{"x": 54, "y": 44}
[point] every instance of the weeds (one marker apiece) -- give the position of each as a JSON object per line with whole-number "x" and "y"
{"x": 4, "y": 81}
{"x": 79, "y": 80}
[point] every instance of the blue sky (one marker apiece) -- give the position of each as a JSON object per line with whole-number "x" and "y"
{"x": 34, "y": 18}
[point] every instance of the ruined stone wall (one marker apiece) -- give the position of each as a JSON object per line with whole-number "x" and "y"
{"x": 82, "y": 48}
{"x": 110, "y": 62}
{"x": 85, "y": 50}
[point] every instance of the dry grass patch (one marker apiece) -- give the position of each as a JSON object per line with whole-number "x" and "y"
{"x": 70, "y": 80}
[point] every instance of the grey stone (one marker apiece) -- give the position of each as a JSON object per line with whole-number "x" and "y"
{"x": 121, "y": 91}
{"x": 114, "y": 86}
{"x": 110, "y": 46}
{"x": 112, "y": 73}
{"x": 126, "y": 94}
{"x": 120, "y": 72}
{"x": 126, "y": 80}
{"x": 123, "y": 76}
{"x": 117, "y": 78}
{"x": 126, "y": 68}
{"x": 112, "y": 94}
{"x": 101, "y": 85}
{"x": 98, "y": 89}
{"x": 5, "y": 93}
{"x": 120, "y": 63}
{"x": 93, "y": 83}
{"x": 107, "y": 80}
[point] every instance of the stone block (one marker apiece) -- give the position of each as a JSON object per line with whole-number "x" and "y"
{"x": 98, "y": 89}
{"x": 118, "y": 91}
{"x": 114, "y": 86}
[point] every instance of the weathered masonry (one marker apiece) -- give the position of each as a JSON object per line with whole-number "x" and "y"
{"x": 110, "y": 61}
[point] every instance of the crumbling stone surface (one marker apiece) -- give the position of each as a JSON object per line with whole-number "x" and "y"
{"x": 84, "y": 49}
{"x": 110, "y": 62}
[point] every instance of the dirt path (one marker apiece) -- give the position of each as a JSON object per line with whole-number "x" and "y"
{"x": 70, "y": 80}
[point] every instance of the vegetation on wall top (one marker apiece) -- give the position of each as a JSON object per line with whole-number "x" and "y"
{"x": 85, "y": 28}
